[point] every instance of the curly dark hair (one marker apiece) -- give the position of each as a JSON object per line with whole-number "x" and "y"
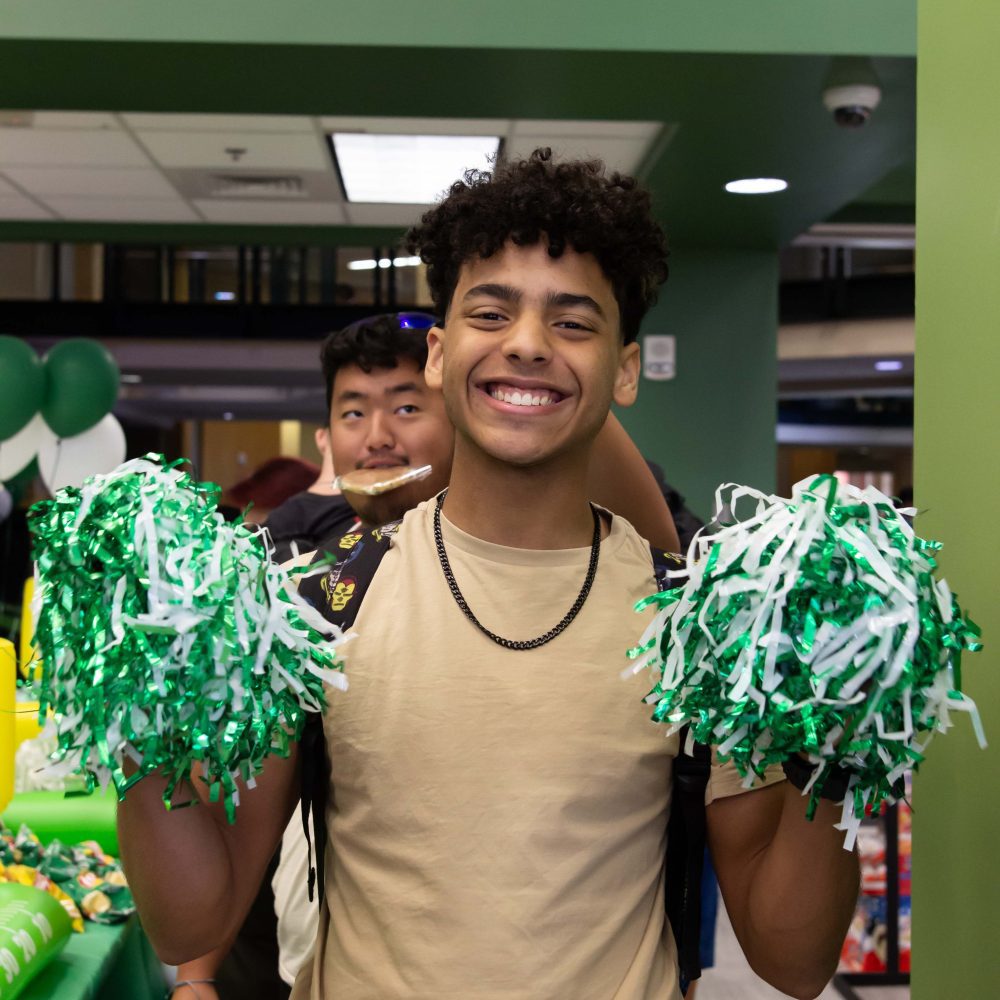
{"x": 576, "y": 204}
{"x": 373, "y": 342}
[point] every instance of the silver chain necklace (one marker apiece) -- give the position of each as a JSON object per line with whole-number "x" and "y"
{"x": 595, "y": 551}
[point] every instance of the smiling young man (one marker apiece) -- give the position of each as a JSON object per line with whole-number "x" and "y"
{"x": 498, "y": 795}
{"x": 382, "y": 415}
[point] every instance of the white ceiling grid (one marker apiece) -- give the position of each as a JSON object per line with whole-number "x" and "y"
{"x": 103, "y": 166}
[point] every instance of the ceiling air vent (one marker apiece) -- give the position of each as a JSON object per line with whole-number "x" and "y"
{"x": 257, "y": 186}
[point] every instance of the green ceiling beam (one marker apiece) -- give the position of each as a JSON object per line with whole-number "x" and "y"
{"x": 863, "y": 27}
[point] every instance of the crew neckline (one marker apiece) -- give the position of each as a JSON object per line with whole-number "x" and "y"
{"x": 456, "y": 538}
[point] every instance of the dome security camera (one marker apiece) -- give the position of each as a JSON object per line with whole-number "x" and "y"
{"x": 851, "y": 91}
{"x": 852, "y": 105}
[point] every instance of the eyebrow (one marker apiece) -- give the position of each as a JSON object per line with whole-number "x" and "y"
{"x": 508, "y": 293}
{"x": 568, "y": 299}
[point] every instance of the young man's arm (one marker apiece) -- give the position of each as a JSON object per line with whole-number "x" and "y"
{"x": 620, "y": 480}
{"x": 789, "y": 885}
{"x": 193, "y": 875}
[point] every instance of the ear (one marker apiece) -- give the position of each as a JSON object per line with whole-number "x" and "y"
{"x": 322, "y": 438}
{"x": 627, "y": 376}
{"x": 435, "y": 357}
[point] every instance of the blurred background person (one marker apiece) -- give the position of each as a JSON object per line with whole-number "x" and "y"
{"x": 269, "y": 486}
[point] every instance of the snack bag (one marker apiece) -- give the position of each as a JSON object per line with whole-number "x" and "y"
{"x": 28, "y": 877}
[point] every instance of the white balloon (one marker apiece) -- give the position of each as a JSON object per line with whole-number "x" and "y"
{"x": 68, "y": 461}
{"x": 17, "y": 451}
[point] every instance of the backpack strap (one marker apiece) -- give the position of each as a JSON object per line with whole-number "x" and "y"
{"x": 685, "y": 860}
{"x": 686, "y": 831}
{"x": 337, "y": 595}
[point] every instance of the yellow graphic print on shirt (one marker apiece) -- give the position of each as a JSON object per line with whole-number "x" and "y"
{"x": 339, "y": 596}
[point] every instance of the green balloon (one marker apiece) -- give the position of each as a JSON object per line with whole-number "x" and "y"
{"x": 81, "y": 386}
{"x": 22, "y": 385}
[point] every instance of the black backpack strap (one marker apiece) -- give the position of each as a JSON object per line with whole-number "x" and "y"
{"x": 686, "y": 831}
{"x": 337, "y": 595}
{"x": 686, "y": 839}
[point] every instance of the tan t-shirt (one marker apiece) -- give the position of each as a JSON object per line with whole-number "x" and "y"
{"x": 497, "y": 817}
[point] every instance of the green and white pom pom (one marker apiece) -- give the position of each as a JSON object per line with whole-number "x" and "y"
{"x": 813, "y": 626}
{"x": 168, "y": 635}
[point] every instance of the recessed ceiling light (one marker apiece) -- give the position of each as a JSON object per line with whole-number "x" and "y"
{"x": 888, "y": 366}
{"x": 129, "y": 378}
{"x": 407, "y": 169}
{"x": 756, "y": 185}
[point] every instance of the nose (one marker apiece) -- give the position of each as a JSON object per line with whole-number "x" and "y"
{"x": 527, "y": 341}
{"x": 379, "y": 435}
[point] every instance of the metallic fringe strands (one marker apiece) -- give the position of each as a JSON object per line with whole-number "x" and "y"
{"x": 168, "y": 636}
{"x": 813, "y": 626}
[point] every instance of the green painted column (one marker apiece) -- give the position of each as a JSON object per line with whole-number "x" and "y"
{"x": 715, "y": 421}
{"x": 956, "y": 823}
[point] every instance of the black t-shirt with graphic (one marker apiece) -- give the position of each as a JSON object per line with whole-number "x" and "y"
{"x": 307, "y": 519}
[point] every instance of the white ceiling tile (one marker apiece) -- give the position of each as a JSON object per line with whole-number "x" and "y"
{"x": 624, "y": 155}
{"x": 384, "y": 215}
{"x": 416, "y": 126}
{"x": 8, "y": 188}
{"x": 585, "y": 129}
{"x": 75, "y": 119}
{"x": 249, "y": 212}
{"x": 69, "y": 148}
{"x": 123, "y": 209}
{"x": 111, "y": 182}
{"x": 218, "y": 123}
{"x": 12, "y": 207}
{"x": 264, "y": 151}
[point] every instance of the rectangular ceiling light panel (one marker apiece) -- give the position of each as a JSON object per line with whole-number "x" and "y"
{"x": 407, "y": 169}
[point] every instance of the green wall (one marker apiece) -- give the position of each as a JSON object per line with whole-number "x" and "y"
{"x": 956, "y": 823}
{"x": 715, "y": 421}
{"x": 858, "y": 26}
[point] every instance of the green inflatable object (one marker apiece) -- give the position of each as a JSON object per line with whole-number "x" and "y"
{"x": 34, "y": 928}
{"x": 69, "y": 818}
{"x": 81, "y": 386}
{"x": 22, "y": 385}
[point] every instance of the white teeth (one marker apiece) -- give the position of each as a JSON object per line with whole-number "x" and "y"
{"x": 518, "y": 398}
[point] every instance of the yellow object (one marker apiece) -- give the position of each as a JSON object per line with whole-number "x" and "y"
{"x": 8, "y": 674}
{"x": 28, "y": 652}
{"x": 26, "y": 725}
